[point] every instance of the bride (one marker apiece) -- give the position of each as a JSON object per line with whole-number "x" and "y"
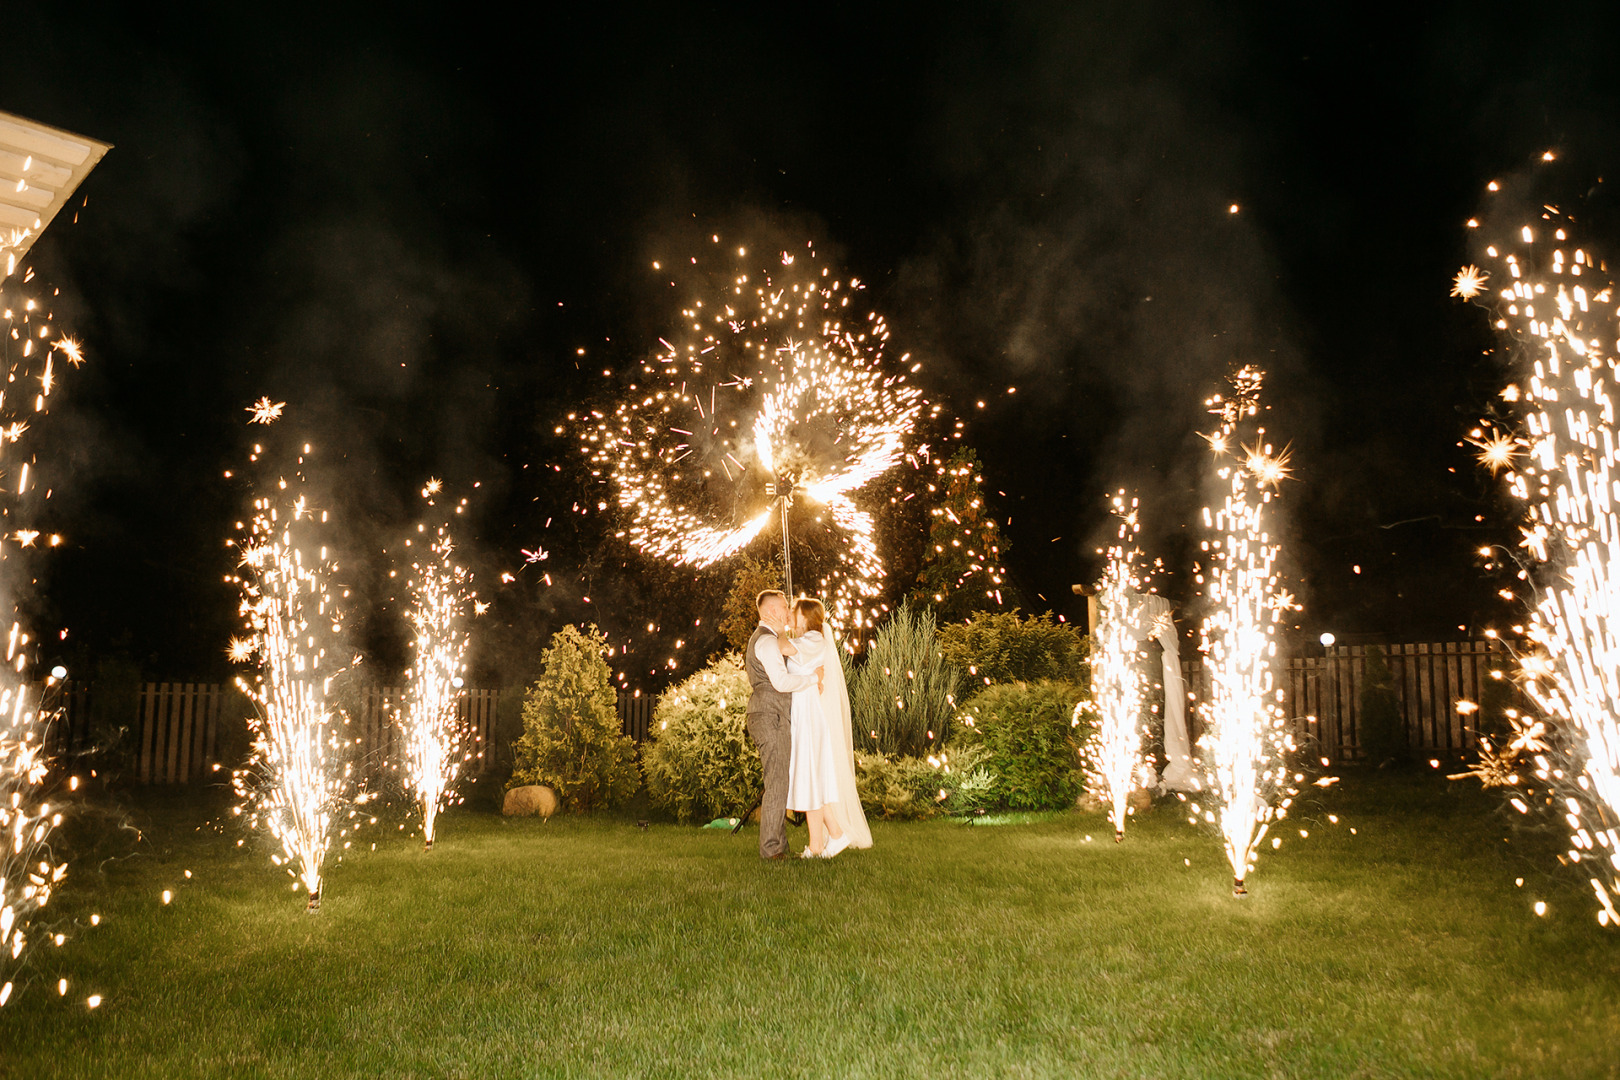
{"x": 821, "y": 769}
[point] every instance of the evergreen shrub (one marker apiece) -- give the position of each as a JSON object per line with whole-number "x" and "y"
{"x": 897, "y": 788}
{"x": 572, "y": 740}
{"x": 999, "y": 646}
{"x": 904, "y": 692}
{"x": 1030, "y": 740}
{"x": 701, "y": 763}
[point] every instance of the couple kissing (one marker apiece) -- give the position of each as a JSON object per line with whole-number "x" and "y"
{"x": 798, "y": 717}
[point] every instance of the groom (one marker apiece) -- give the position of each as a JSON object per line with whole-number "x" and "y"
{"x": 770, "y": 705}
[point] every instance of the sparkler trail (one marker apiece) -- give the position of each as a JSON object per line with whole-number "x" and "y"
{"x": 29, "y": 871}
{"x": 1247, "y": 741}
{"x": 1119, "y": 687}
{"x": 774, "y": 387}
{"x": 296, "y": 783}
{"x": 1555, "y": 306}
{"x": 435, "y": 738}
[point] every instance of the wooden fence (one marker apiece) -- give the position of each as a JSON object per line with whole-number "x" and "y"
{"x": 635, "y": 714}
{"x": 179, "y": 731}
{"x": 180, "y": 725}
{"x": 180, "y": 722}
{"x": 382, "y": 743}
{"x": 1322, "y": 694}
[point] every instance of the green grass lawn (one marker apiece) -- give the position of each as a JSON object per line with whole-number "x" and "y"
{"x": 588, "y": 947}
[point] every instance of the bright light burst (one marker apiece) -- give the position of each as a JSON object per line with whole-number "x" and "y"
{"x": 772, "y": 386}
{"x": 29, "y": 869}
{"x": 1267, "y": 468}
{"x": 436, "y": 740}
{"x": 265, "y": 411}
{"x": 1119, "y": 686}
{"x": 1497, "y": 451}
{"x": 1557, "y": 309}
{"x": 296, "y": 782}
{"x": 1246, "y": 740}
{"x": 1469, "y": 282}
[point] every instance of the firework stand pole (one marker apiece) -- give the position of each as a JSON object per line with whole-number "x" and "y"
{"x": 787, "y": 550}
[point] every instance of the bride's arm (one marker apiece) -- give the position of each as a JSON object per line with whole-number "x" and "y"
{"x": 810, "y": 647}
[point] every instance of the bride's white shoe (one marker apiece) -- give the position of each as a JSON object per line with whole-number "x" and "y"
{"x": 808, "y": 854}
{"x": 835, "y": 846}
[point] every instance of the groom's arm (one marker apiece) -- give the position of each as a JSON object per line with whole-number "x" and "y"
{"x": 776, "y": 667}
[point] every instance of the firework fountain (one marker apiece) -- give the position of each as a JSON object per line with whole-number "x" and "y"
{"x": 1119, "y": 687}
{"x": 295, "y": 784}
{"x": 1247, "y": 741}
{"x": 1560, "y": 455}
{"x": 29, "y": 872}
{"x": 435, "y": 737}
{"x": 775, "y": 397}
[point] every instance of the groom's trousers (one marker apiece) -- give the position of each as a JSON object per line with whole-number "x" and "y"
{"x": 773, "y": 735}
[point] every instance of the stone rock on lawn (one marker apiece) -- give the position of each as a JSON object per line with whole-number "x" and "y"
{"x": 531, "y": 800}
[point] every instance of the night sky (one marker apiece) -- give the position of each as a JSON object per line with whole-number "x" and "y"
{"x": 407, "y": 225}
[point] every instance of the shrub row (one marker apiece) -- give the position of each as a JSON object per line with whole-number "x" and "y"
{"x": 1013, "y": 744}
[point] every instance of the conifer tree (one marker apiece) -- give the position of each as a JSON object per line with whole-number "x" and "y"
{"x": 572, "y": 740}
{"x": 740, "y": 615}
{"x": 962, "y": 565}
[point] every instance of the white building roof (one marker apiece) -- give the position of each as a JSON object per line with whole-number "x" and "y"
{"x": 40, "y": 168}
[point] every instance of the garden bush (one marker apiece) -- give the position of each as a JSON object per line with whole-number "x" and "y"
{"x": 1030, "y": 742}
{"x": 904, "y": 693}
{"x": 999, "y": 646}
{"x": 572, "y": 740}
{"x": 1381, "y": 728}
{"x": 896, "y": 787}
{"x": 701, "y": 763}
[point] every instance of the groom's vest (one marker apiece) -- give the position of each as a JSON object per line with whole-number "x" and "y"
{"x": 764, "y": 698}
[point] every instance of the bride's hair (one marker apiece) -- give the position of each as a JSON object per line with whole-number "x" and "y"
{"x": 815, "y": 616}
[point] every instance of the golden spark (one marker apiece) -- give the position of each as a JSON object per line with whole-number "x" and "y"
{"x": 774, "y": 382}
{"x": 296, "y": 785}
{"x": 1267, "y": 468}
{"x": 1496, "y": 451}
{"x": 1246, "y": 741}
{"x": 265, "y": 411}
{"x": 1114, "y": 756}
{"x": 31, "y": 869}
{"x": 1558, "y": 326}
{"x": 71, "y": 349}
{"x": 1469, "y": 282}
{"x": 437, "y": 739}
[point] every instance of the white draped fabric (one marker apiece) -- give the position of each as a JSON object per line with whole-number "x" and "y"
{"x": 835, "y": 707}
{"x": 813, "y": 765}
{"x": 1152, "y": 618}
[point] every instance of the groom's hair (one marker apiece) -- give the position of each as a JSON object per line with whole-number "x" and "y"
{"x": 759, "y": 601}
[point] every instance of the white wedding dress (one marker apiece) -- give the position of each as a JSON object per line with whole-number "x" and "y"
{"x": 821, "y": 769}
